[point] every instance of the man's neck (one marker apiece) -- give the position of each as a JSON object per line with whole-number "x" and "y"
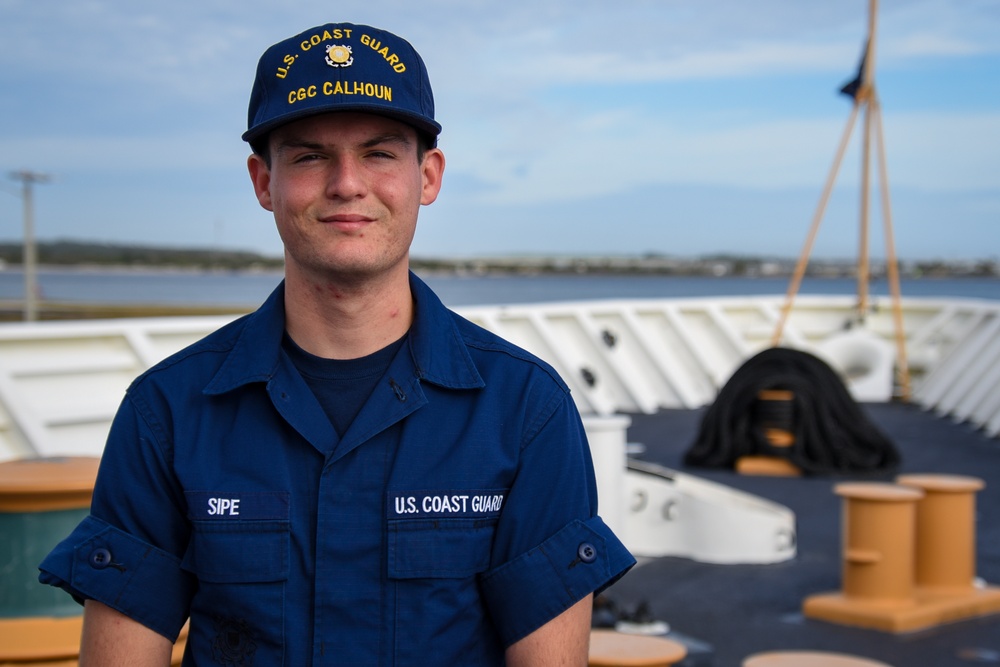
{"x": 338, "y": 319}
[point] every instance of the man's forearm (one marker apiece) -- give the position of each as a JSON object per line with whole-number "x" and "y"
{"x": 111, "y": 639}
{"x": 562, "y": 642}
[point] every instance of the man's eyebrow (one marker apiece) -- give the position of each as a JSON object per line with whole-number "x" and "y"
{"x": 387, "y": 138}
{"x": 292, "y": 143}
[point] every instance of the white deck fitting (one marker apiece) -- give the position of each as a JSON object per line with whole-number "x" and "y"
{"x": 675, "y": 514}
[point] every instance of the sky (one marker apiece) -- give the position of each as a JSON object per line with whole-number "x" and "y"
{"x": 671, "y": 127}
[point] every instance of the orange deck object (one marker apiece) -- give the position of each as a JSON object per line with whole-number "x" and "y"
{"x": 946, "y": 548}
{"x": 41, "y": 501}
{"x": 33, "y": 639}
{"x": 771, "y": 466}
{"x": 41, "y": 485}
{"x": 879, "y": 531}
{"x": 22, "y": 642}
{"x": 931, "y": 521}
{"x": 946, "y": 530}
{"x": 609, "y": 648}
{"x": 778, "y": 434}
{"x": 878, "y": 562}
{"x": 809, "y": 659}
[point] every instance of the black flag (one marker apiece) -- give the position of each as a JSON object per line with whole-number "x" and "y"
{"x": 851, "y": 88}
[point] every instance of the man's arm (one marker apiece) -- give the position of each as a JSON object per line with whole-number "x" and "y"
{"x": 562, "y": 642}
{"x": 112, "y": 639}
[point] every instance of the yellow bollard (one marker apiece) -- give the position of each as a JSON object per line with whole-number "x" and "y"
{"x": 946, "y": 530}
{"x": 909, "y": 556}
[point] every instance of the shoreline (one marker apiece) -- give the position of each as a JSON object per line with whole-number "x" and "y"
{"x": 462, "y": 270}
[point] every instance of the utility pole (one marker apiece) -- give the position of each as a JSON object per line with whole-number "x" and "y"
{"x": 28, "y": 180}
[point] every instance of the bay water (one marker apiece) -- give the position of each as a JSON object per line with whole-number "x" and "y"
{"x": 249, "y": 289}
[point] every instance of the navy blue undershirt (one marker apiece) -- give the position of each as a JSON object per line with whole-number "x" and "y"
{"x": 341, "y": 385}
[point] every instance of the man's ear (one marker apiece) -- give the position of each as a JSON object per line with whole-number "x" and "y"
{"x": 260, "y": 175}
{"x": 432, "y": 171}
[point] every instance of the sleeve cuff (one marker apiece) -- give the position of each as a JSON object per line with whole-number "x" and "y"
{"x": 527, "y": 592}
{"x": 100, "y": 562}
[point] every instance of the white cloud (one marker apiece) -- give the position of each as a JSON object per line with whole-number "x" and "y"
{"x": 119, "y": 153}
{"x": 581, "y": 158}
{"x": 542, "y": 102}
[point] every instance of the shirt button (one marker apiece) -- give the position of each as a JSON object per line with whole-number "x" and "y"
{"x": 586, "y": 552}
{"x": 100, "y": 558}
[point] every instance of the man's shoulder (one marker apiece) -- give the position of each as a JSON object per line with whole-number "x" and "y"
{"x": 198, "y": 361}
{"x": 490, "y": 348}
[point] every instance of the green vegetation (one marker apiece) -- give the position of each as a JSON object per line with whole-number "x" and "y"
{"x": 77, "y": 253}
{"x": 65, "y": 253}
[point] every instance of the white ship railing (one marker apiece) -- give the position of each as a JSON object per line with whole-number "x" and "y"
{"x": 61, "y": 382}
{"x": 644, "y": 355}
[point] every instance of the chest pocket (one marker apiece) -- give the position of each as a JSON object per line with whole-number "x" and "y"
{"x": 238, "y": 551}
{"x": 242, "y": 567}
{"x": 439, "y": 548}
{"x": 433, "y": 566}
{"x": 238, "y": 537}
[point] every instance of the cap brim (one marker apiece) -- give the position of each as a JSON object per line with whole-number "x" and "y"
{"x": 420, "y": 123}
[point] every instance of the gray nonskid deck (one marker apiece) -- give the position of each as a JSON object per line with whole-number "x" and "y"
{"x": 739, "y": 610}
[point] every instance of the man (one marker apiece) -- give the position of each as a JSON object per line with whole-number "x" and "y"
{"x": 351, "y": 475}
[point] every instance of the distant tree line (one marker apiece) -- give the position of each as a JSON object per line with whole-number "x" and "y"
{"x": 75, "y": 253}
{"x": 82, "y": 253}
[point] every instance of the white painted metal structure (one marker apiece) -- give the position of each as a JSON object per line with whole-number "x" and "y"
{"x": 61, "y": 382}
{"x": 672, "y": 513}
{"x": 663, "y": 512}
{"x": 644, "y": 355}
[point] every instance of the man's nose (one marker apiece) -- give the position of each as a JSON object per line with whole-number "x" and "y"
{"x": 346, "y": 179}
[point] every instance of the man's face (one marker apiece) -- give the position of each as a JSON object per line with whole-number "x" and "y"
{"x": 345, "y": 189}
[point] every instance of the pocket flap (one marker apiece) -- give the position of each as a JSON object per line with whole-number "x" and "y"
{"x": 238, "y": 551}
{"x": 442, "y": 548}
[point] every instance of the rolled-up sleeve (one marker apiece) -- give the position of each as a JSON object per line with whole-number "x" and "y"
{"x": 551, "y": 547}
{"x": 100, "y": 562}
{"x": 523, "y": 594}
{"x": 127, "y": 552}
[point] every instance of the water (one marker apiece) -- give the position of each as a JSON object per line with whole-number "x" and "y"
{"x": 461, "y": 291}
{"x": 248, "y": 289}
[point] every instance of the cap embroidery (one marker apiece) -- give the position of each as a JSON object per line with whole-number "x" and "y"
{"x": 391, "y": 80}
{"x": 339, "y": 55}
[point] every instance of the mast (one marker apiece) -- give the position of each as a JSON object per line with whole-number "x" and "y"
{"x": 866, "y": 103}
{"x": 863, "y": 98}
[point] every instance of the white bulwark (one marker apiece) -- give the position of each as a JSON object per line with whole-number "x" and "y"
{"x": 61, "y": 383}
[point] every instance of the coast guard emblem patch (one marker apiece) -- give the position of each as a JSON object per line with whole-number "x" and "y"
{"x": 234, "y": 644}
{"x": 338, "y": 55}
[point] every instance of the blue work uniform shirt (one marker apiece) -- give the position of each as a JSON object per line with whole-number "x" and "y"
{"x": 457, "y": 514}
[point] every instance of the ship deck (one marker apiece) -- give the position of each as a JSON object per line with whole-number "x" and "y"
{"x": 738, "y": 610}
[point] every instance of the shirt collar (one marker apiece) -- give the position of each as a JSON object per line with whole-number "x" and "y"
{"x": 437, "y": 349}
{"x": 439, "y": 352}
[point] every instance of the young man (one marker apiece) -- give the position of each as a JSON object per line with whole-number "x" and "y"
{"x": 351, "y": 475}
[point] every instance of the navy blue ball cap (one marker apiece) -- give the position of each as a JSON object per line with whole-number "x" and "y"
{"x": 340, "y": 67}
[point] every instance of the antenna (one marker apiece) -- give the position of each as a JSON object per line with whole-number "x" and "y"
{"x": 862, "y": 90}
